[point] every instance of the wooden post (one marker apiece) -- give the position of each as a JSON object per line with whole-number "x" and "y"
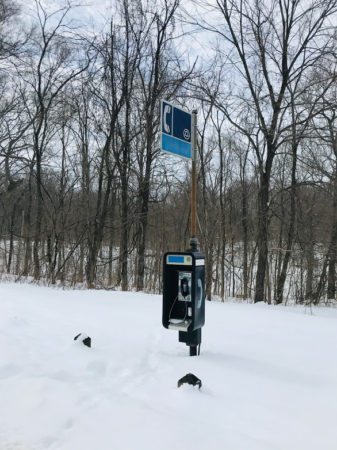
{"x": 193, "y": 236}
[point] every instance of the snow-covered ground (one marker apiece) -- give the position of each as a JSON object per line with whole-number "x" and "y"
{"x": 269, "y": 375}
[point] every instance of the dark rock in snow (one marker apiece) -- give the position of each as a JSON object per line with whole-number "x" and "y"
{"x": 190, "y": 379}
{"x": 84, "y": 338}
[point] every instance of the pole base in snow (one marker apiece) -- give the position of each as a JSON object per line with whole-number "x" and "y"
{"x": 192, "y": 339}
{"x": 193, "y": 350}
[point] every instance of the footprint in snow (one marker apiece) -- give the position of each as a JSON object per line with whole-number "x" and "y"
{"x": 97, "y": 367}
{"x": 9, "y": 370}
{"x": 15, "y": 446}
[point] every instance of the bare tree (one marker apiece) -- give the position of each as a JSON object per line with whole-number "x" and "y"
{"x": 10, "y": 39}
{"x": 49, "y": 69}
{"x": 269, "y": 47}
{"x": 160, "y": 76}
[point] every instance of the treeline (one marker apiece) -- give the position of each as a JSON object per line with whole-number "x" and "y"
{"x": 87, "y": 196}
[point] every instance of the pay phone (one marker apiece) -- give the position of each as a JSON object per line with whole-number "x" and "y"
{"x": 184, "y": 295}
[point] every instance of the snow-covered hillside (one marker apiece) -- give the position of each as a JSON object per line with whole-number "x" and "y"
{"x": 269, "y": 375}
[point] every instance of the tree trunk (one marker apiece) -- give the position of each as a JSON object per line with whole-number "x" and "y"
{"x": 291, "y": 230}
{"x": 244, "y": 223}
{"x": 331, "y": 291}
{"x": 111, "y": 238}
{"x": 38, "y": 224}
{"x": 124, "y": 238}
{"x": 262, "y": 237}
{"x": 143, "y": 221}
{"x": 27, "y": 229}
{"x": 11, "y": 239}
{"x": 309, "y": 254}
{"x": 233, "y": 266}
{"x": 98, "y": 229}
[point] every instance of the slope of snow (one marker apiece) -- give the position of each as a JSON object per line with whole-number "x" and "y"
{"x": 269, "y": 375}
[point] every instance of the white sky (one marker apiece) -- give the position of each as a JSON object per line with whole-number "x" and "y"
{"x": 95, "y": 15}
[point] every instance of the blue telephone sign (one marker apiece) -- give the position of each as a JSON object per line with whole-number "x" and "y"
{"x": 176, "y": 130}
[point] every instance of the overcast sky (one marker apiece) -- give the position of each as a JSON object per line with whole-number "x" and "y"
{"x": 94, "y": 15}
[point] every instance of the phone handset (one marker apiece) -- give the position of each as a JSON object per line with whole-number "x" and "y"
{"x": 184, "y": 288}
{"x": 167, "y": 110}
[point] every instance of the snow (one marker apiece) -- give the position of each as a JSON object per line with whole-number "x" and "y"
{"x": 269, "y": 375}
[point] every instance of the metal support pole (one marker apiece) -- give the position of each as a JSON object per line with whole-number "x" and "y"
{"x": 192, "y": 339}
{"x": 193, "y": 350}
{"x": 193, "y": 236}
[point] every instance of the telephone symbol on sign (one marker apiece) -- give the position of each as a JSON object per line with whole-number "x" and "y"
{"x": 167, "y": 110}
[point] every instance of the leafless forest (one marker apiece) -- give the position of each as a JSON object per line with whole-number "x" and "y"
{"x": 87, "y": 197}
